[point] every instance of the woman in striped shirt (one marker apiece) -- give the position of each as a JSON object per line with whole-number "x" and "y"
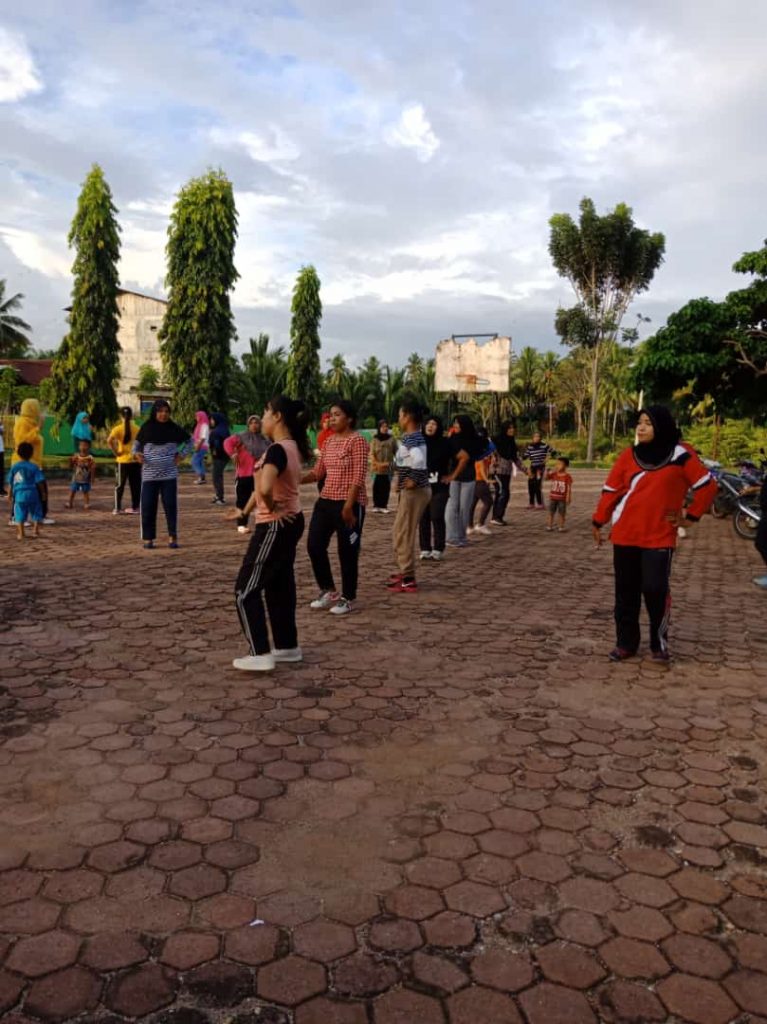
{"x": 342, "y": 464}
{"x": 537, "y": 452}
{"x": 160, "y": 445}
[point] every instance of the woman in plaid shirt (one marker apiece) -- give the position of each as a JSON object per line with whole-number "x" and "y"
{"x": 343, "y": 465}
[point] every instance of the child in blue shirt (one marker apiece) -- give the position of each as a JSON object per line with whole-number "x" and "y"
{"x": 27, "y": 487}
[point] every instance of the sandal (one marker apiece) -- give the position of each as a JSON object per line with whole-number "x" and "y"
{"x": 174, "y": 544}
{"x": 148, "y": 545}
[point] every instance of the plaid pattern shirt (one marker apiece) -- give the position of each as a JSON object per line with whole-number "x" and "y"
{"x": 343, "y": 462}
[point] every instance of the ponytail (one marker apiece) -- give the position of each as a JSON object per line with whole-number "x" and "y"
{"x": 295, "y": 416}
{"x": 127, "y": 415}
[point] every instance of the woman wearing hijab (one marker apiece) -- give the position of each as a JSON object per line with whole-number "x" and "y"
{"x": 382, "y": 450}
{"x": 81, "y": 430}
{"x": 200, "y": 436}
{"x": 26, "y": 428}
{"x": 159, "y": 447}
{"x": 218, "y": 434}
{"x": 506, "y": 458}
{"x": 246, "y": 449}
{"x": 643, "y": 498}
{"x": 465, "y": 450}
{"x": 431, "y": 529}
{"x": 127, "y": 468}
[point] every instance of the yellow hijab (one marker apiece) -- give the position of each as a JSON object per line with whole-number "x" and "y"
{"x": 27, "y": 428}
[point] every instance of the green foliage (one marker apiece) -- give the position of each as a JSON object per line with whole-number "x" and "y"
{"x": 304, "y": 378}
{"x": 148, "y": 378}
{"x": 736, "y": 439}
{"x": 714, "y": 348}
{"x": 198, "y": 329}
{"x": 608, "y": 260}
{"x": 262, "y": 375}
{"x": 87, "y": 365}
{"x": 14, "y": 344}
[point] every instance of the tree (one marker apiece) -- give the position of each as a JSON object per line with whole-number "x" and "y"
{"x": 393, "y": 383}
{"x": 260, "y": 376}
{"x": 198, "y": 329}
{"x": 526, "y": 369}
{"x": 543, "y": 382}
{"x": 14, "y": 344}
{"x": 337, "y": 377}
{"x": 148, "y": 378}
{"x": 304, "y": 378}
{"x": 608, "y": 260}
{"x": 87, "y": 365}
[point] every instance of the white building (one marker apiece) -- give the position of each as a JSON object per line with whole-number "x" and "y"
{"x": 140, "y": 320}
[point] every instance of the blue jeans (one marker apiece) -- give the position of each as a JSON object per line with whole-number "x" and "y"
{"x": 151, "y": 493}
{"x": 198, "y": 463}
{"x": 458, "y": 511}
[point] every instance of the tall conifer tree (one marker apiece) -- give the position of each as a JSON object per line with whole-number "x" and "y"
{"x": 304, "y": 374}
{"x": 87, "y": 365}
{"x": 198, "y": 328}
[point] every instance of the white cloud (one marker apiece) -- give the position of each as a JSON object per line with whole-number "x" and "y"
{"x": 271, "y": 146}
{"x": 413, "y": 131}
{"x": 18, "y": 75}
{"x": 35, "y": 252}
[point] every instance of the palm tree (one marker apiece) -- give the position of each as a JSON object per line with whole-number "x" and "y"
{"x": 414, "y": 370}
{"x": 337, "y": 376}
{"x": 615, "y": 390}
{"x": 525, "y": 370}
{"x": 393, "y": 381}
{"x": 544, "y": 379}
{"x": 263, "y": 374}
{"x": 14, "y": 344}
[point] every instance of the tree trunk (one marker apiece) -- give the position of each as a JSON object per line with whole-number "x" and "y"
{"x": 615, "y": 423}
{"x": 594, "y": 402}
{"x": 717, "y": 429}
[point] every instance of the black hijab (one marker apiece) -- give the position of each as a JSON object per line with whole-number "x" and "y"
{"x": 506, "y": 446}
{"x": 658, "y": 452}
{"x": 380, "y": 436}
{"x": 154, "y": 432}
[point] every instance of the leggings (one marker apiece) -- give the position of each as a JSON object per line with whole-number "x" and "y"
{"x": 642, "y": 572}
{"x": 267, "y": 572}
{"x": 326, "y": 521}
{"x": 151, "y": 493}
{"x": 128, "y": 473}
{"x": 243, "y": 490}
{"x": 381, "y": 490}
{"x": 433, "y": 520}
{"x": 534, "y": 485}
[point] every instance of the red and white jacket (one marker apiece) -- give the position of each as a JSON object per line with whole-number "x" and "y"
{"x": 637, "y": 501}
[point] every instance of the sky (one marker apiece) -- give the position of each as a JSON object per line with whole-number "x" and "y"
{"x": 413, "y": 152}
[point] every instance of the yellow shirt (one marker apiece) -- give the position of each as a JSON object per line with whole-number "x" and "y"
{"x": 124, "y": 451}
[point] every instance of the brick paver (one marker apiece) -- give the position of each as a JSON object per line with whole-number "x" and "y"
{"x": 483, "y": 821}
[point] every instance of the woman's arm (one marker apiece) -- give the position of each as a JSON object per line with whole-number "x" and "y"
{"x": 461, "y": 459}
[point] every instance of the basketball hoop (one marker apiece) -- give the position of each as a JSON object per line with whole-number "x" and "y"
{"x": 471, "y": 382}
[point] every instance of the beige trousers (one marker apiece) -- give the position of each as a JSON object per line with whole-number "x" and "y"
{"x": 410, "y": 508}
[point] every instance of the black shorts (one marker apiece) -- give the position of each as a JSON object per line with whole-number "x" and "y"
{"x": 558, "y": 505}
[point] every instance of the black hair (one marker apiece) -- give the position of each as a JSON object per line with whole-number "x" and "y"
{"x": 127, "y": 414}
{"x": 440, "y": 425}
{"x": 83, "y": 440}
{"x": 482, "y": 433}
{"x": 349, "y": 409}
{"x": 25, "y": 451}
{"x": 563, "y": 458}
{"x": 381, "y": 423}
{"x": 506, "y": 424}
{"x": 296, "y": 419}
{"x": 412, "y": 408}
{"x": 466, "y": 423}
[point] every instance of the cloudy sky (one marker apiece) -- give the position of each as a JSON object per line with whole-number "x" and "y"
{"x": 413, "y": 151}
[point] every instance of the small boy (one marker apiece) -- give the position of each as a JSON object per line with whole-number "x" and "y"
{"x": 560, "y": 493}
{"x": 83, "y": 474}
{"x": 26, "y": 491}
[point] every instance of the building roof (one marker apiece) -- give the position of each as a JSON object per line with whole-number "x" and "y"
{"x": 141, "y": 295}
{"x": 32, "y": 372}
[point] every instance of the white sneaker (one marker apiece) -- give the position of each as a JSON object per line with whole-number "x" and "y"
{"x": 49, "y": 522}
{"x": 342, "y": 608}
{"x": 325, "y": 600}
{"x": 255, "y": 663}
{"x": 117, "y": 511}
{"x": 385, "y": 511}
{"x": 426, "y": 554}
{"x": 288, "y": 654}
{"x": 437, "y": 556}
{"x": 242, "y": 529}
{"x": 483, "y": 530}
{"x": 469, "y": 530}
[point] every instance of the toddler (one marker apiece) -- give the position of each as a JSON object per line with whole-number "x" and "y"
{"x": 560, "y": 493}
{"x": 26, "y": 491}
{"x": 83, "y": 474}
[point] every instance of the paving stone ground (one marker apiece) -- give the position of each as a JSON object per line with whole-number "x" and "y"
{"x": 455, "y": 811}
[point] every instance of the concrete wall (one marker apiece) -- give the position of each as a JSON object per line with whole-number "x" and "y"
{"x": 140, "y": 320}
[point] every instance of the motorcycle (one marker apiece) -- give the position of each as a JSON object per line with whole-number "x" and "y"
{"x": 748, "y": 515}
{"x": 731, "y": 485}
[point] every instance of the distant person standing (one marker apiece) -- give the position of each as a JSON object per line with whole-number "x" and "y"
{"x": 81, "y": 431}
{"x": 218, "y": 434}
{"x": 465, "y": 450}
{"x": 506, "y": 462}
{"x": 382, "y": 449}
{"x": 127, "y": 467}
{"x": 200, "y": 436}
{"x": 27, "y": 488}
{"x": 432, "y": 526}
{"x": 246, "y": 449}
{"x": 26, "y": 428}
{"x": 83, "y": 474}
{"x": 159, "y": 447}
{"x": 412, "y": 485}
{"x": 339, "y": 510}
{"x": 537, "y": 452}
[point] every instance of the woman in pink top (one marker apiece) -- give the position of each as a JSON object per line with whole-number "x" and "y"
{"x": 246, "y": 449}
{"x": 200, "y": 437}
{"x": 267, "y": 568}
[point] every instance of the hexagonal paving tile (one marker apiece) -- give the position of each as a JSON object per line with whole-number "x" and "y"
{"x": 291, "y": 981}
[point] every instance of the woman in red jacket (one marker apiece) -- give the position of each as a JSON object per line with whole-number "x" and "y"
{"x": 643, "y": 498}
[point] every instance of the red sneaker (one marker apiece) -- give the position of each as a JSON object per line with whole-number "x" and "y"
{"x": 394, "y": 578}
{"x": 403, "y": 586}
